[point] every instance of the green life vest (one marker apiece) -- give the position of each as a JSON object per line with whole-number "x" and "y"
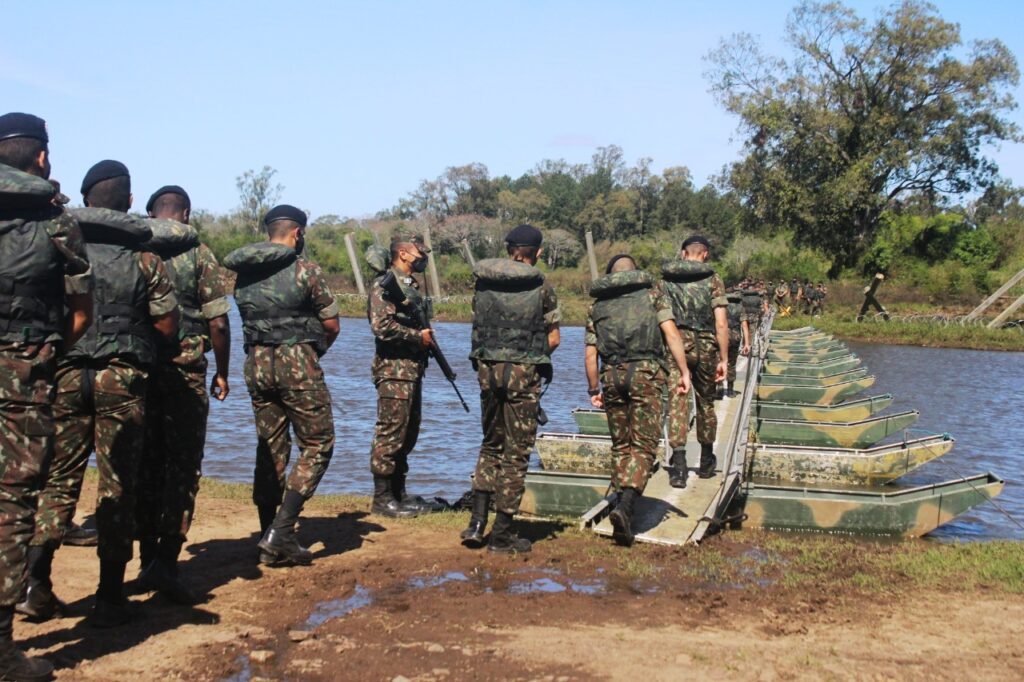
{"x": 177, "y": 244}
{"x": 121, "y": 325}
{"x": 624, "y": 318}
{"x": 688, "y": 284}
{"x": 31, "y": 278}
{"x": 275, "y": 310}
{"x": 508, "y": 313}
{"x": 752, "y": 302}
{"x": 735, "y": 311}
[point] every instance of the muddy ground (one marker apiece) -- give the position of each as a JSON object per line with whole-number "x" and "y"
{"x": 387, "y": 600}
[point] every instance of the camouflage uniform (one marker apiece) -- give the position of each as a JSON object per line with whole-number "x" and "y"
{"x": 397, "y": 371}
{"x": 736, "y": 315}
{"x": 282, "y": 301}
{"x": 511, "y": 361}
{"x": 633, "y": 383}
{"x": 36, "y": 225}
{"x": 693, "y": 305}
{"x": 101, "y": 387}
{"x": 178, "y": 404}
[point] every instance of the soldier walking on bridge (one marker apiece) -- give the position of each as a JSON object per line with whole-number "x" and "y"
{"x": 739, "y": 337}
{"x": 629, "y": 326}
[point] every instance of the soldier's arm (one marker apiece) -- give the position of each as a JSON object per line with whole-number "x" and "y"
{"x": 745, "y": 323}
{"x": 213, "y": 293}
{"x": 324, "y": 304}
{"x": 593, "y": 377}
{"x": 66, "y": 237}
{"x": 675, "y": 346}
{"x": 163, "y": 304}
{"x": 552, "y": 317}
{"x": 384, "y": 323}
{"x": 720, "y": 304}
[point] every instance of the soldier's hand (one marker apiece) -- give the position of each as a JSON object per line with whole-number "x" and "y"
{"x": 597, "y": 401}
{"x": 746, "y": 349}
{"x": 721, "y": 370}
{"x": 684, "y": 384}
{"x": 219, "y": 388}
{"x": 427, "y": 337}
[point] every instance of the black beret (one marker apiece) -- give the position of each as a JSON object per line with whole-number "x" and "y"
{"x": 104, "y": 170}
{"x": 285, "y": 212}
{"x": 696, "y": 239}
{"x": 524, "y": 235}
{"x": 23, "y": 125}
{"x": 168, "y": 189}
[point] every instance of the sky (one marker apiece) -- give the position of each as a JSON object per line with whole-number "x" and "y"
{"x": 355, "y": 102}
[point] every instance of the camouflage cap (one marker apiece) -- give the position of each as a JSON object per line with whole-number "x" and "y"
{"x": 404, "y": 235}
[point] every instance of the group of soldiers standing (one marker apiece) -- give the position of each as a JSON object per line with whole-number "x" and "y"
{"x": 106, "y": 319}
{"x": 794, "y": 297}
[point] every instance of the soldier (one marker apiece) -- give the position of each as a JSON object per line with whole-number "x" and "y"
{"x": 177, "y": 404}
{"x": 821, "y": 293}
{"x": 515, "y": 330}
{"x": 101, "y": 388}
{"x": 794, "y": 293}
{"x": 739, "y": 333}
{"x": 402, "y": 337}
{"x": 751, "y": 301}
{"x": 45, "y": 301}
{"x": 806, "y": 296}
{"x": 699, "y": 307}
{"x": 780, "y": 296}
{"x": 289, "y": 320}
{"x": 629, "y": 325}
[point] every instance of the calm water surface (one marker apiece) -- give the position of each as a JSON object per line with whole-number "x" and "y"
{"x": 977, "y": 397}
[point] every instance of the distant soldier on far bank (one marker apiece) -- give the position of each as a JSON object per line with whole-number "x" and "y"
{"x": 402, "y": 337}
{"x": 699, "y": 308}
{"x": 781, "y": 291}
{"x": 289, "y": 320}
{"x": 794, "y": 291}
{"x": 820, "y": 293}
{"x": 629, "y": 326}
{"x": 515, "y": 331}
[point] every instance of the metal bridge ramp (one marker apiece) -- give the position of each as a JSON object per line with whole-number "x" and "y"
{"x": 670, "y": 516}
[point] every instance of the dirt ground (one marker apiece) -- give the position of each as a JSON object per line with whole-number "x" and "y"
{"x": 394, "y": 600}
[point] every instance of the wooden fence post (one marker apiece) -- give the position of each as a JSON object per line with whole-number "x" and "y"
{"x": 356, "y": 271}
{"x": 435, "y": 285}
{"x": 591, "y": 257}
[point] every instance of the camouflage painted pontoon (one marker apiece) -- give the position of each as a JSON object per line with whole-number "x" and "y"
{"x": 810, "y": 369}
{"x": 829, "y": 380}
{"x": 816, "y": 346}
{"x": 591, "y": 422}
{"x": 818, "y": 395}
{"x": 558, "y": 493}
{"x": 802, "y": 336}
{"x": 855, "y": 434}
{"x": 807, "y": 357}
{"x": 908, "y": 512}
{"x": 843, "y": 466}
{"x": 576, "y": 453}
{"x": 847, "y": 411}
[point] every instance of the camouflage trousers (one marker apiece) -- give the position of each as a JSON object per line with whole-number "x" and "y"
{"x": 677, "y": 409}
{"x": 734, "y": 353}
{"x": 399, "y": 407}
{"x": 98, "y": 409}
{"x": 171, "y": 463}
{"x": 633, "y": 398}
{"x": 509, "y": 400}
{"x": 702, "y": 358}
{"x": 26, "y": 445}
{"x": 288, "y": 392}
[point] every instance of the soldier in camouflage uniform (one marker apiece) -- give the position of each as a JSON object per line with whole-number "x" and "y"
{"x": 739, "y": 337}
{"x": 402, "y": 337}
{"x": 515, "y": 330}
{"x": 289, "y": 320}
{"x": 45, "y": 300}
{"x": 178, "y": 404}
{"x": 101, "y": 387}
{"x": 699, "y": 307}
{"x": 628, "y": 327}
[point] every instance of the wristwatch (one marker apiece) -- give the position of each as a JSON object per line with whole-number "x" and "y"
{"x": 594, "y": 391}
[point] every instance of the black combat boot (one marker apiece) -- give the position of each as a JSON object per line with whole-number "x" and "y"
{"x": 622, "y": 517}
{"x": 677, "y": 475}
{"x": 708, "y": 461}
{"x": 281, "y": 541}
{"x": 413, "y": 502}
{"x": 148, "y": 548}
{"x": 267, "y": 513}
{"x": 729, "y": 390}
{"x": 384, "y": 502}
{"x": 40, "y": 602}
{"x": 473, "y": 536}
{"x": 161, "y": 575}
{"x": 503, "y": 540}
{"x": 111, "y": 608}
{"x": 14, "y": 664}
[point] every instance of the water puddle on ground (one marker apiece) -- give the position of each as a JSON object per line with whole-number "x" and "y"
{"x": 338, "y": 608}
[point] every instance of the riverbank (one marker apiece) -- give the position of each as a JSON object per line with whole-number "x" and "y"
{"x": 388, "y": 599}
{"x": 841, "y": 322}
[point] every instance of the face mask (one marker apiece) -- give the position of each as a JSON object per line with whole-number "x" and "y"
{"x": 420, "y": 264}
{"x": 300, "y": 244}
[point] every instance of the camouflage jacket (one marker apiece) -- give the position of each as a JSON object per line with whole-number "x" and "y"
{"x": 694, "y": 300}
{"x": 400, "y": 353}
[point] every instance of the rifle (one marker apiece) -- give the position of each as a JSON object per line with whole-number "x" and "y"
{"x": 391, "y": 286}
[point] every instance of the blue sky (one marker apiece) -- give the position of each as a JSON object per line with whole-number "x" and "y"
{"x": 355, "y": 103}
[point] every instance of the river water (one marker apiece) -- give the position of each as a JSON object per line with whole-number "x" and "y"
{"x": 978, "y": 397}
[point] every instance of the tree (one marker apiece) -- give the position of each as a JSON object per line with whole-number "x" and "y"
{"x": 866, "y": 111}
{"x": 257, "y": 193}
{"x": 562, "y": 249}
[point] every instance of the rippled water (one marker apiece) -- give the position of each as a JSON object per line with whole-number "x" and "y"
{"x": 977, "y": 397}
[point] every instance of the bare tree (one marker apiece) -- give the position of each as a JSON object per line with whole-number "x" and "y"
{"x": 257, "y": 193}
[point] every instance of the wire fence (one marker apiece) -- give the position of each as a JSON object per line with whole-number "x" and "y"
{"x": 939, "y": 319}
